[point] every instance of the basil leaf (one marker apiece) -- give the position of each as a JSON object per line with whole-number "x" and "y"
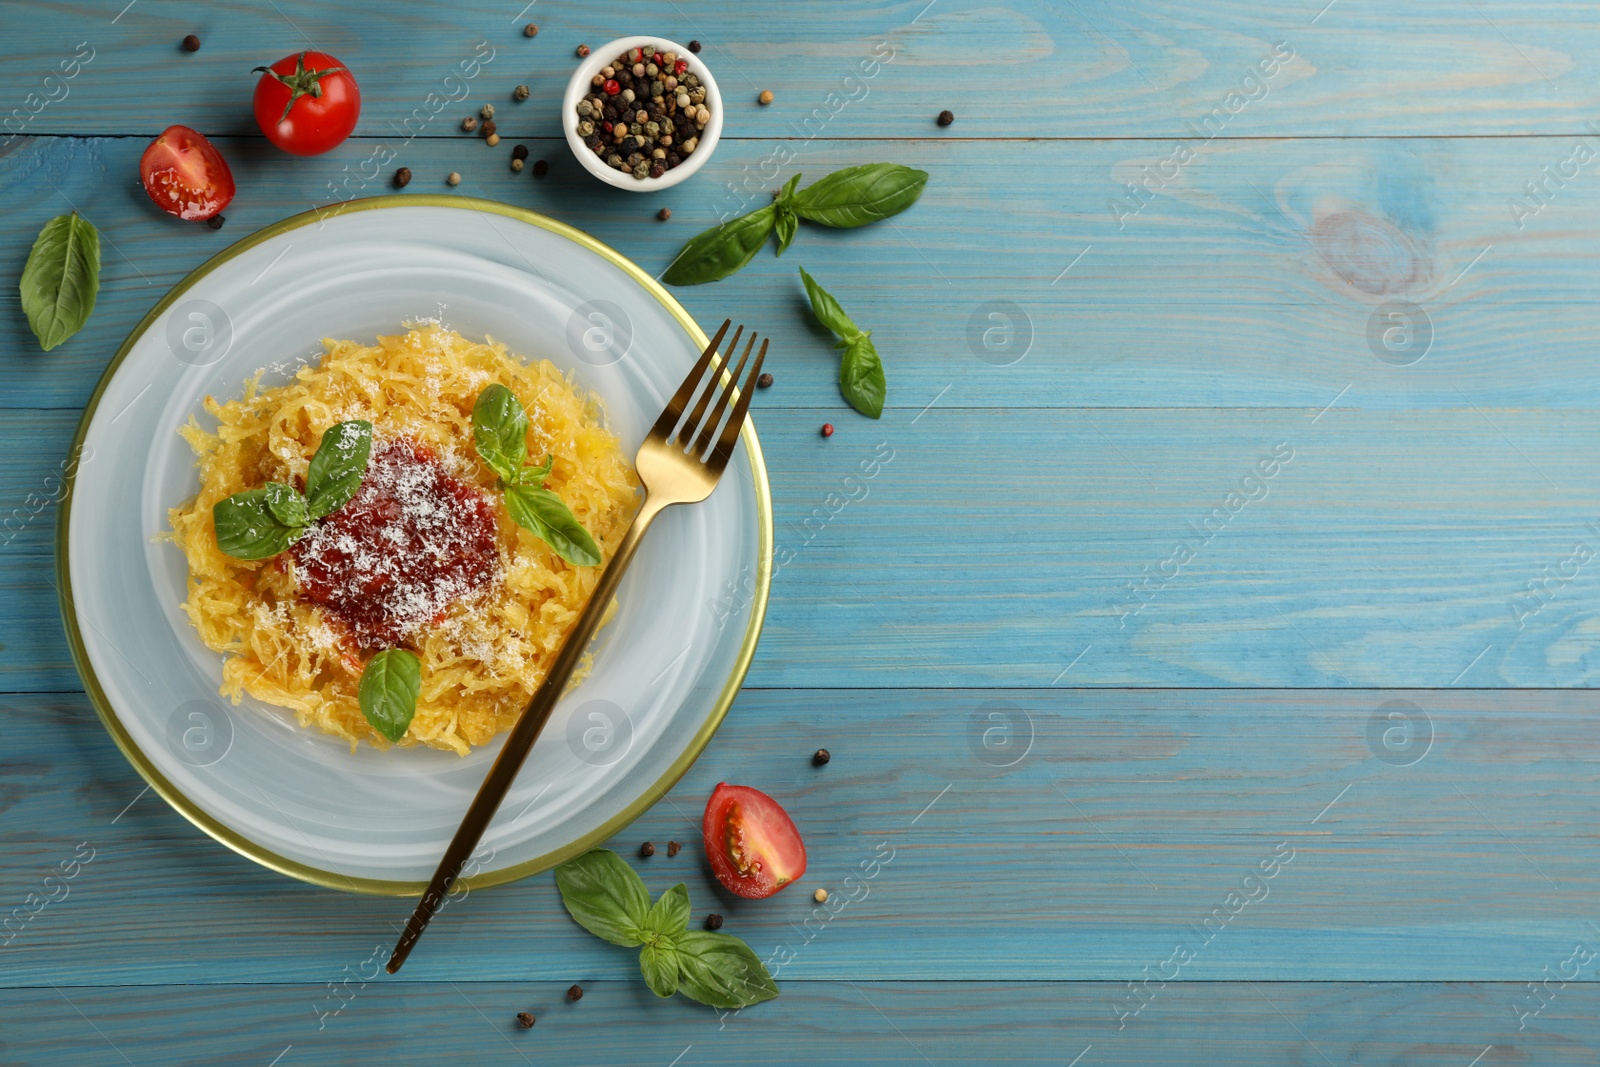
{"x": 856, "y": 196}
{"x": 670, "y": 913}
{"x": 603, "y": 894}
{"x": 500, "y": 431}
{"x": 247, "y": 527}
{"x": 547, "y": 515}
{"x": 389, "y": 688}
{"x": 535, "y": 476}
{"x": 721, "y": 250}
{"x": 722, "y": 971}
{"x": 61, "y": 279}
{"x": 335, "y": 472}
{"x": 286, "y": 505}
{"x": 787, "y": 223}
{"x": 659, "y": 962}
{"x": 827, "y": 309}
{"x": 861, "y": 379}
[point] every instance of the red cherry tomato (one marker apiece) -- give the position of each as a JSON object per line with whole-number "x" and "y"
{"x": 185, "y": 174}
{"x": 307, "y": 103}
{"x": 751, "y": 842}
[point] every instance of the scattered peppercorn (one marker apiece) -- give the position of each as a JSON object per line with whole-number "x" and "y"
{"x": 765, "y": 97}
{"x": 402, "y": 177}
{"x": 647, "y": 849}
{"x": 521, "y": 92}
{"x": 664, "y": 214}
{"x": 822, "y": 756}
{"x": 694, "y": 46}
{"x": 540, "y": 169}
{"x": 215, "y": 222}
{"x": 526, "y": 1019}
{"x": 946, "y": 118}
{"x": 820, "y": 896}
{"x": 764, "y": 382}
{"x": 489, "y": 128}
{"x": 575, "y": 993}
{"x": 493, "y": 139}
{"x": 673, "y": 847}
{"x": 713, "y": 921}
{"x": 530, "y": 30}
{"x": 827, "y": 429}
{"x": 516, "y": 164}
{"x": 583, "y": 51}
{"x": 487, "y": 111}
{"x": 519, "y": 151}
{"x": 453, "y": 178}
{"x": 191, "y": 43}
{"x": 469, "y": 124}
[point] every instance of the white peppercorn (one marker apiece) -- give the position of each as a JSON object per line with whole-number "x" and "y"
{"x": 487, "y": 111}
{"x": 683, "y": 99}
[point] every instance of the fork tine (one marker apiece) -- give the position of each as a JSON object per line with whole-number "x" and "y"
{"x": 708, "y": 430}
{"x": 680, "y": 399}
{"x": 692, "y": 422}
{"x": 730, "y": 433}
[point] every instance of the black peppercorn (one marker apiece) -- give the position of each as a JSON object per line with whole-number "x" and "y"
{"x": 664, "y": 214}
{"x": 822, "y": 755}
{"x": 765, "y": 382}
{"x": 629, "y": 146}
{"x": 657, "y": 170}
{"x": 402, "y": 177}
{"x": 519, "y": 151}
{"x": 191, "y": 43}
{"x": 525, "y": 1019}
{"x": 540, "y": 169}
{"x": 672, "y": 846}
{"x": 215, "y": 222}
{"x": 946, "y": 118}
{"x": 575, "y": 993}
{"x": 713, "y": 921}
{"x": 694, "y": 46}
{"x": 647, "y": 849}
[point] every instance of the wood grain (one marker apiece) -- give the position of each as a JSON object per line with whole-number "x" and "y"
{"x": 1029, "y": 835}
{"x": 1147, "y": 68}
{"x": 1257, "y": 277}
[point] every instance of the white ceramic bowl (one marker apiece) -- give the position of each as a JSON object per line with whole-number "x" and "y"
{"x": 579, "y": 86}
{"x": 666, "y": 667}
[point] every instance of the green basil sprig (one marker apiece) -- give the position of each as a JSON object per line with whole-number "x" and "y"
{"x": 609, "y": 900}
{"x": 61, "y": 279}
{"x": 500, "y": 433}
{"x": 844, "y": 199}
{"x": 861, "y": 379}
{"x": 260, "y": 523}
{"x": 390, "y": 684}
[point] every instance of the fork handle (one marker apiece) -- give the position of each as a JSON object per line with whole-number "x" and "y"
{"x": 522, "y": 737}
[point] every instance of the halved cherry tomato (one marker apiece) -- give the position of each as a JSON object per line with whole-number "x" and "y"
{"x": 751, "y": 842}
{"x": 307, "y": 103}
{"x": 185, "y": 174}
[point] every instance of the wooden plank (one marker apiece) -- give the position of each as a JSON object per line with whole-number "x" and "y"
{"x": 1079, "y": 70}
{"x": 1263, "y": 275}
{"x": 1022, "y": 835}
{"x": 972, "y": 547}
{"x": 910, "y": 1024}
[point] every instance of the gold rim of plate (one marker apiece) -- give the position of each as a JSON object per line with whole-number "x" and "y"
{"x": 333, "y": 879}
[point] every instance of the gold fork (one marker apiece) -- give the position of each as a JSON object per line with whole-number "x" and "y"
{"x": 675, "y": 469}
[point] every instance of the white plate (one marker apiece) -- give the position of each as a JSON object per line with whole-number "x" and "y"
{"x": 667, "y": 666}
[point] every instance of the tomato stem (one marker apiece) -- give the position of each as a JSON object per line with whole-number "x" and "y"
{"x": 302, "y": 82}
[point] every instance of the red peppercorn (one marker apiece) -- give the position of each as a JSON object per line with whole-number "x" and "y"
{"x": 827, "y": 429}
{"x": 680, "y": 66}
{"x": 609, "y": 127}
{"x": 637, "y": 55}
{"x": 611, "y": 87}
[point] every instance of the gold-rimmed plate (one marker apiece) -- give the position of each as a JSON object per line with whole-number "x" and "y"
{"x": 666, "y": 669}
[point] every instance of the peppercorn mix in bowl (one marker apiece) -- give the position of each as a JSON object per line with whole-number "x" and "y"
{"x": 616, "y": 84}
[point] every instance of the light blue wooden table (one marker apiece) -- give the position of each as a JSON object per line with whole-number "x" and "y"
{"x": 1146, "y": 271}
